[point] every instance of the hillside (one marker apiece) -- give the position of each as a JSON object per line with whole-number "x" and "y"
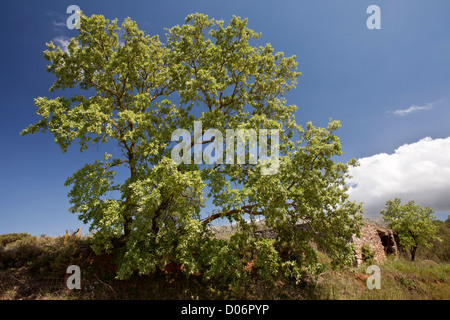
{"x": 35, "y": 268}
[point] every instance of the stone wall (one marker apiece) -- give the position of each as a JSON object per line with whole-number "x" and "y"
{"x": 380, "y": 240}
{"x": 266, "y": 233}
{"x": 370, "y": 238}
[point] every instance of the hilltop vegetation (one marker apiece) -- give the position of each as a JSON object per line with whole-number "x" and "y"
{"x": 34, "y": 267}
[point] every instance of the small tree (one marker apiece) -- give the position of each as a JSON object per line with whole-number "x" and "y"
{"x": 412, "y": 223}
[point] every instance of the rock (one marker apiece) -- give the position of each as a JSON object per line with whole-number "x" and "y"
{"x": 266, "y": 233}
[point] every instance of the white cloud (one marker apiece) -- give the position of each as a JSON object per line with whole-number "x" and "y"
{"x": 59, "y": 24}
{"x": 63, "y": 42}
{"x": 413, "y": 108}
{"x": 418, "y": 171}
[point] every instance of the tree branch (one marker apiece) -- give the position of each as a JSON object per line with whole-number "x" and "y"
{"x": 228, "y": 213}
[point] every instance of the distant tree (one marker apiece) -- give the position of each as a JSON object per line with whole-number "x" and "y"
{"x": 413, "y": 223}
{"x": 440, "y": 250}
{"x": 137, "y": 90}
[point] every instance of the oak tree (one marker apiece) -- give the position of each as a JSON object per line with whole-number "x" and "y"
{"x": 136, "y": 91}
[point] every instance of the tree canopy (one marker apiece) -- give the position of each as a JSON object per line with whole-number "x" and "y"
{"x": 137, "y": 91}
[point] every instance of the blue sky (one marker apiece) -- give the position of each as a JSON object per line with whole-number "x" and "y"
{"x": 390, "y": 88}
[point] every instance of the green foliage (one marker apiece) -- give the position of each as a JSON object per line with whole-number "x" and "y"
{"x": 268, "y": 260}
{"x": 226, "y": 265}
{"x": 413, "y": 224}
{"x": 368, "y": 254}
{"x": 440, "y": 248}
{"x": 137, "y": 91}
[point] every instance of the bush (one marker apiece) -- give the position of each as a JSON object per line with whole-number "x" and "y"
{"x": 20, "y": 252}
{"x": 367, "y": 254}
{"x": 46, "y": 253}
{"x": 12, "y": 237}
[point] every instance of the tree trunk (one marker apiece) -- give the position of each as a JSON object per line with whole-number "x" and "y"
{"x": 163, "y": 206}
{"x": 413, "y": 253}
{"x": 126, "y": 227}
{"x": 129, "y": 206}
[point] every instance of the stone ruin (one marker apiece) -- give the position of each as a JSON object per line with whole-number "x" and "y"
{"x": 375, "y": 234}
{"x": 379, "y": 240}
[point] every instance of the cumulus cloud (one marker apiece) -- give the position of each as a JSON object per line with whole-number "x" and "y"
{"x": 418, "y": 171}
{"x": 63, "y": 42}
{"x": 413, "y": 108}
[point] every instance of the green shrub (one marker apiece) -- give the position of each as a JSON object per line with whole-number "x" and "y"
{"x": 367, "y": 254}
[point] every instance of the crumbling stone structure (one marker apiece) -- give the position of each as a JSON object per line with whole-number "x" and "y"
{"x": 379, "y": 240}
